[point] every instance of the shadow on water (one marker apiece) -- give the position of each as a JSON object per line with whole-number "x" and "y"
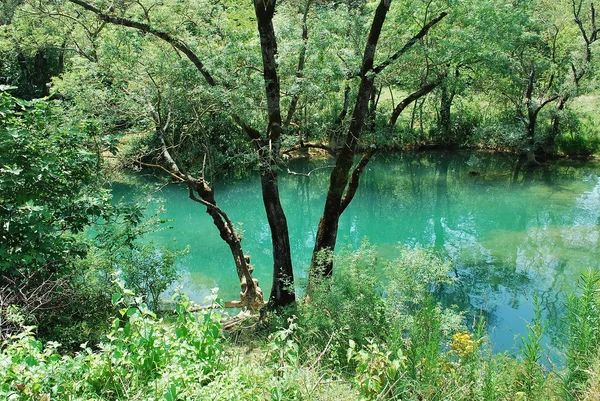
{"x": 511, "y": 231}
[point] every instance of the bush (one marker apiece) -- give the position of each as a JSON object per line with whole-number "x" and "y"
{"x": 136, "y": 362}
{"x": 349, "y": 306}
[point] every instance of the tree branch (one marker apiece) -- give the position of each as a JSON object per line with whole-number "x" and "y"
{"x": 304, "y": 145}
{"x": 290, "y": 172}
{"x": 410, "y": 43}
{"x": 301, "y": 63}
{"x": 175, "y": 42}
{"x": 355, "y": 177}
{"x": 422, "y": 91}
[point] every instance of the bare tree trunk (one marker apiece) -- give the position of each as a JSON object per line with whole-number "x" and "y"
{"x": 282, "y": 290}
{"x": 336, "y": 201}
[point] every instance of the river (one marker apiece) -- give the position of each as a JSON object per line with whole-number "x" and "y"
{"x": 511, "y": 233}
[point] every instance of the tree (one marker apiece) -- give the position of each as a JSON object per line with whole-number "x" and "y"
{"x": 230, "y": 93}
{"x": 344, "y": 178}
{"x": 50, "y": 192}
{"x": 584, "y": 17}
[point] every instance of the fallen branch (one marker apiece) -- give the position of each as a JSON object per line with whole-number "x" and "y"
{"x": 290, "y": 172}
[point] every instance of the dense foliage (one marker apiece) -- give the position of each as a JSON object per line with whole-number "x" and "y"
{"x": 53, "y": 274}
{"x": 47, "y": 189}
{"x": 332, "y": 348}
{"x": 206, "y": 89}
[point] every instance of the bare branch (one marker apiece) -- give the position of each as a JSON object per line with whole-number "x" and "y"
{"x": 290, "y": 172}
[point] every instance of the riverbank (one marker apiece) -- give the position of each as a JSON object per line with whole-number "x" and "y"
{"x": 348, "y": 343}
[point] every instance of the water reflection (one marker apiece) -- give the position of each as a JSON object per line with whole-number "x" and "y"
{"x": 511, "y": 232}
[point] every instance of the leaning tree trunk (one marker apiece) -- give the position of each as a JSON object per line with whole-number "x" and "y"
{"x": 251, "y": 295}
{"x": 337, "y": 197}
{"x": 344, "y": 179}
{"x": 419, "y": 93}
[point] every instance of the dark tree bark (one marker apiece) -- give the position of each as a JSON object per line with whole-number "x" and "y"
{"x": 422, "y": 91}
{"x": 282, "y": 290}
{"x": 446, "y": 99}
{"x": 322, "y": 265}
{"x": 533, "y": 108}
{"x": 344, "y": 179}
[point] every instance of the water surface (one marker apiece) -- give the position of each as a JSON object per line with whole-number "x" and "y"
{"x": 512, "y": 233}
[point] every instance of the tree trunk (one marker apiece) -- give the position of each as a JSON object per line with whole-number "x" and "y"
{"x": 342, "y": 183}
{"x": 336, "y": 201}
{"x": 533, "y": 109}
{"x": 446, "y": 98}
{"x": 282, "y": 290}
{"x": 422, "y": 91}
{"x": 556, "y": 122}
{"x": 251, "y": 295}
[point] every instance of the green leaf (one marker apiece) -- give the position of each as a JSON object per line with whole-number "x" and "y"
{"x": 116, "y": 298}
{"x": 181, "y": 332}
{"x": 171, "y": 394}
{"x": 31, "y": 361}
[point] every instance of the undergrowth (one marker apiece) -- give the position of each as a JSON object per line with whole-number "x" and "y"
{"x": 358, "y": 338}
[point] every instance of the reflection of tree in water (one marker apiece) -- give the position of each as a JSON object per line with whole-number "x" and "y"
{"x": 533, "y": 262}
{"x": 511, "y": 231}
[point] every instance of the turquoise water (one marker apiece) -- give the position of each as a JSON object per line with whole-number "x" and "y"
{"x": 511, "y": 233}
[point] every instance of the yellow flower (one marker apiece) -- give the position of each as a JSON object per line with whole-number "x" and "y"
{"x": 463, "y": 344}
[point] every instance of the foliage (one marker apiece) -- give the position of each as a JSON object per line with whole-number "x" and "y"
{"x": 347, "y": 307}
{"x": 55, "y": 272}
{"x": 49, "y": 193}
{"x": 135, "y": 362}
{"x": 48, "y": 190}
{"x": 583, "y": 336}
{"x": 187, "y": 357}
{"x": 148, "y": 271}
{"x": 579, "y": 134}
